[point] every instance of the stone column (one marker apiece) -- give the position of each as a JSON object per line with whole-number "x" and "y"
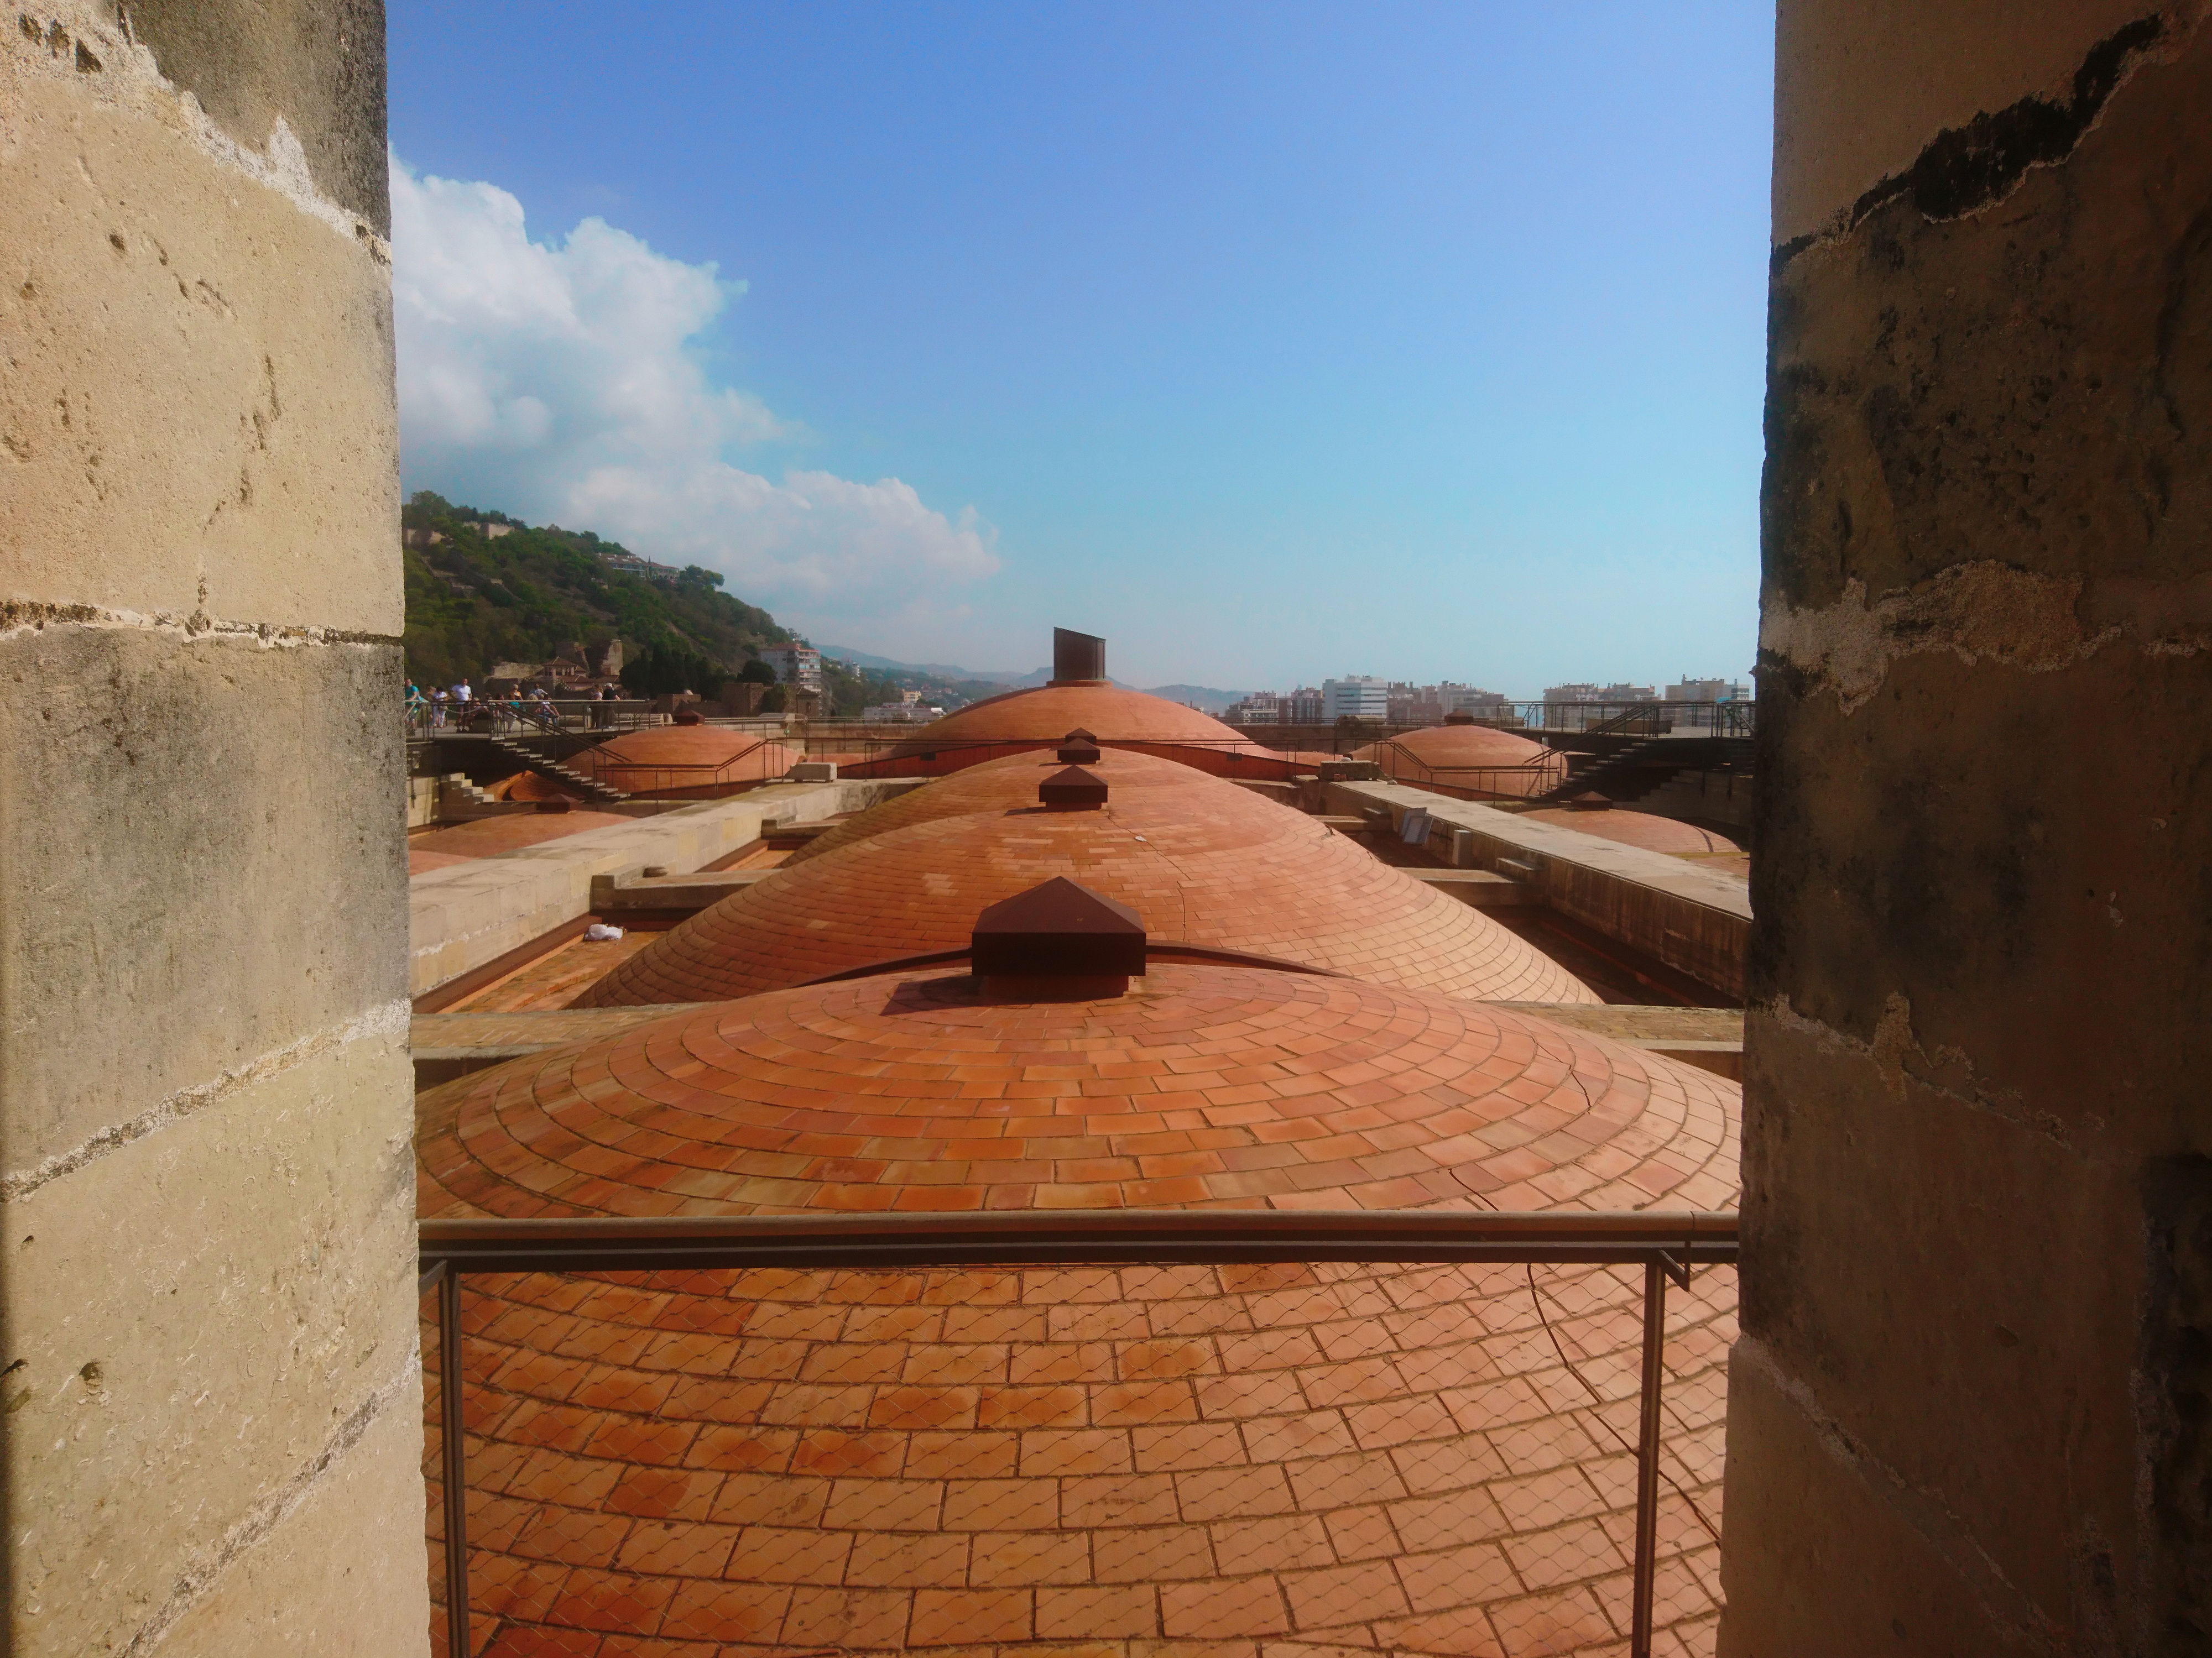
{"x": 1968, "y": 1412}
{"x": 211, "y": 1384}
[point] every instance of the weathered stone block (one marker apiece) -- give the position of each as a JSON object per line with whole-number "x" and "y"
{"x": 205, "y": 865}
{"x": 195, "y": 1320}
{"x": 197, "y": 412}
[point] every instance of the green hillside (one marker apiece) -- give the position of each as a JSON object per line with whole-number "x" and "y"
{"x": 524, "y": 595}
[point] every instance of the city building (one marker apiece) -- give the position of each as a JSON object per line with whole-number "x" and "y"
{"x": 1355, "y": 697}
{"x": 795, "y": 665}
{"x": 908, "y": 710}
{"x": 1413, "y": 705}
{"x": 1709, "y": 690}
{"x": 1259, "y": 709}
{"x": 1472, "y": 699}
{"x": 1580, "y": 692}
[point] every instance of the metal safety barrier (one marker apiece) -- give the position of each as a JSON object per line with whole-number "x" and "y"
{"x": 1668, "y": 1245}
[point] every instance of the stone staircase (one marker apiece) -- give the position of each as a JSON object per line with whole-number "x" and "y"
{"x": 1632, "y": 772}
{"x": 571, "y": 780}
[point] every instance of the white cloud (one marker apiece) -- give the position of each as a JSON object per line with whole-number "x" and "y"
{"x": 563, "y": 383}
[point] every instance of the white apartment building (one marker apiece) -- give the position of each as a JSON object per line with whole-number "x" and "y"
{"x": 795, "y": 665}
{"x": 1361, "y": 696}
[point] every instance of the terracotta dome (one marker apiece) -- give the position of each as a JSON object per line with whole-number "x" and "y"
{"x": 1217, "y": 867}
{"x": 686, "y": 759}
{"x": 1475, "y": 760}
{"x": 1379, "y": 1458}
{"x": 1046, "y": 713}
{"x": 1007, "y": 784}
{"x": 527, "y": 785}
{"x": 1647, "y": 830}
{"x": 1116, "y": 716}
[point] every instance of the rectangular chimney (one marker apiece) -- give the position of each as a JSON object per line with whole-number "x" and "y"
{"x": 1078, "y": 659}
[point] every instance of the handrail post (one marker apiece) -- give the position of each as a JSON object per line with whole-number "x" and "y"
{"x": 1647, "y": 1461}
{"x": 452, "y": 1430}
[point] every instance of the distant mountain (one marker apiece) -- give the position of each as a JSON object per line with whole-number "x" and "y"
{"x": 1200, "y": 696}
{"x": 935, "y": 670}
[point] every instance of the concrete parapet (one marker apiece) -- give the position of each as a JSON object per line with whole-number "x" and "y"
{"x": 466, "y": 914}
{"x": 1694, "y": 920}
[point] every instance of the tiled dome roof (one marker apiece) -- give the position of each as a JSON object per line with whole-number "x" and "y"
{"x": 1396, "y": 1459}
{"x": 1007, "y": 784}
{"x": 1461, "y": 755}
{"x": 1207, "y": 1085}
{"x": 527, "y": 785}
{"x": 1640, "y": 828}
{"x": 667, "y": 759}
{"x": 1217, "y": 867}
{"x": 1048, "y": 712}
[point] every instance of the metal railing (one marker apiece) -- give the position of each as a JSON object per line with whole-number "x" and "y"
{"x": 423, "y": 718}
{"x": 1666, "y": 1244}
{"x": 1399, "y": 764}
{"x": 762, "y": 760}
{"x": 1720, "y": 718}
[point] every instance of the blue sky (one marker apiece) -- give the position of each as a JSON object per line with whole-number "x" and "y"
{"x": 1272, "y": 342}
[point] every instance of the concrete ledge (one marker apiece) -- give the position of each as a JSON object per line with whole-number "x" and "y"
{"x": 1694, "y": 919}
{"x": 610, "y": 893}
{"x": 450, "y": 1045}
{"x": 1480, "y": 888}
{"x": 466, "y": 914}
{"x": 1710, "y": 1038}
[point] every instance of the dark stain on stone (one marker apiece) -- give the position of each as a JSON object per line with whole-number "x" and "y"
{"x": 1967, "y": 168}
{"x": 86, "y": 63}
{"x": 2177, "y": 1439}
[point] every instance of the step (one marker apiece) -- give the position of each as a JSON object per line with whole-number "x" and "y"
{"x": 693, "y": 892}
{"x": 1480, "y": 888}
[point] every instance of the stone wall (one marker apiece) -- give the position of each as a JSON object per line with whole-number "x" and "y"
{"x": 1968, "y": 1408}
{"x": 210, "y": 1372}
{"x": 466, "y": 915}
{"x": 1693, "y": 920}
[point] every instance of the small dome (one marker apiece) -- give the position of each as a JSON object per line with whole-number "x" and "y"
{"x": 1049, "y": 712}
{"x": 1631, "y": 828}
{"x": 1479, "y": 759}
{"x": 1210, "y": 865}
{"x": 688, "y": 759}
